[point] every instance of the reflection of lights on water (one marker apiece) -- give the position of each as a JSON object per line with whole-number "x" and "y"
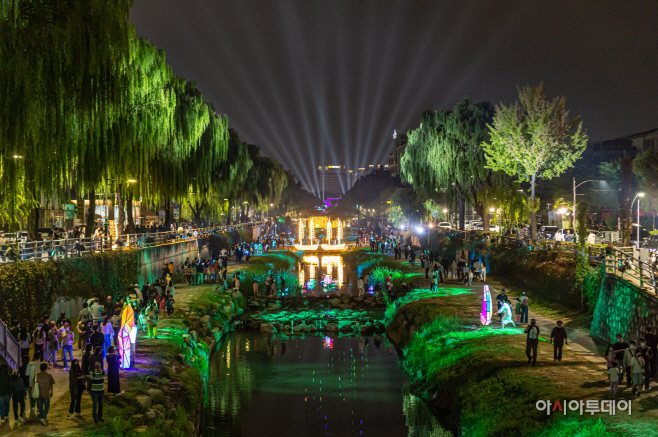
{"x": 246, "y": 346}
{"x": 328, "y": 344}
{"x": 228, "y": 354}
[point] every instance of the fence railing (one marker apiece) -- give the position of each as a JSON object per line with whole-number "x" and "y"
{"x": 48, "y": 250}
{"x": 10, "y": 351}
{"x": 618, "y": 260}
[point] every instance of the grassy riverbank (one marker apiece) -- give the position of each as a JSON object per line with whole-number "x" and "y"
{"x": 478, "y": 380}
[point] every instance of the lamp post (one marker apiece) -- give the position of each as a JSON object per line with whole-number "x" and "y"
{"x": 574, "y": 196}
{"x": 638, "y": 196}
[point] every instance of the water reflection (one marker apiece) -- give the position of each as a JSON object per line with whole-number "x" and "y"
{"x": 322, "y": 274}
{"x": 280, "y": 386}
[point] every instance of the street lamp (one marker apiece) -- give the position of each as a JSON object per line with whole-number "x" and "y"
{"x": 574, "y": 196}
{"x": 562, "y": 211}
{"x": 638, "y": 196}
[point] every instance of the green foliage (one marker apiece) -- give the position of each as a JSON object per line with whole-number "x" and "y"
{"x": 28, "y": 290}
{"x": 572, "y": 426}
{"x": 444, "y": 155}
{"x": 534, "y": 137}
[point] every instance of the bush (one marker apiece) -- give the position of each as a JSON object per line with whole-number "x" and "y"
{"x": 28, "y": 290}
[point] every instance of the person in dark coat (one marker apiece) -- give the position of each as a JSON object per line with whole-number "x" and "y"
{"x": 76, "y": 388}
{"x": 18, "y": 392}
{"x": 97, "y": 357}
{"x": 113, "y": 381}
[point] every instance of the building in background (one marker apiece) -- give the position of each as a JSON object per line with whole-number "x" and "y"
{"x": 335, "y": 180}
{"x": 399, "y": 145}
{"x": 630, "y": 145}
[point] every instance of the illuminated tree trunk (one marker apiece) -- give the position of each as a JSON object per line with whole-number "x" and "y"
{"x": 129, "y": 212}
{"x": 625, "y": 200}
{"x": 533, "y": 213}
{"x": 167, "y": 213}
{"x": 33, "y": 214}
{"x": 462, "y": 208}
{"x": 91, "y": 214}
{"x": 121, "y": 219}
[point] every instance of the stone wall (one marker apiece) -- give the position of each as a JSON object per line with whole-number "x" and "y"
{"x": 154, "y": 259}
{"x": 625, "y": 309}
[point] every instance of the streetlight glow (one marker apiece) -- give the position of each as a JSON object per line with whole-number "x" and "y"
{"x": 640, "y": 194}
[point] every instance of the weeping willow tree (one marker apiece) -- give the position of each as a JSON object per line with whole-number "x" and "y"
{"x": 62, "y": 83}
{"x": 444, "y": 155}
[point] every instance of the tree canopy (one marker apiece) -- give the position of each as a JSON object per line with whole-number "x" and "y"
{"x": 534, "y": 138}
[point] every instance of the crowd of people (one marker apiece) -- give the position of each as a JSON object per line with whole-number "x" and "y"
{"x": 52, "y": 343}
{"x": 635, "y": 361}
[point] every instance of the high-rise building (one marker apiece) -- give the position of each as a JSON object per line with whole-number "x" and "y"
{"x": 399, "y": 145}
{"x": 335, "y": 180}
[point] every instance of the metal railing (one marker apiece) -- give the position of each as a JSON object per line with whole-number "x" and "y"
{"x": 48, "y": 250}
{"x": 619, "y": 261}
{"x": 622, "y": 263}
{"x": 10, "y": 351}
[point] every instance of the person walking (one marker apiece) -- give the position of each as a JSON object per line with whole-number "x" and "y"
{"x": 483, "y": 271}
{"x": 620, "y": 354}
{"x": 113, "y": 381}
{"x": 558, "y": 338}
{"x": 76, "y": 388}
{"x": 169, "y": 305}
{"x": 18, "y": 391}
{"x": 647, "y": 356}
{"x": 96, "y": 339}
{"x": 613, "y": 376}
{"x": 524, "y": 308}
{"x": 255, "y": 287}
{"x": 97, "y": 378}
{"x": 152, "y": 315}
{"x": 30, "y": 372}
{"x": 43, "y": 383}
{"x": 5, "y": 393}
{"x": 53, "y": 345}
{"x": 97, "y": 312}
{"x": 39, "y": 338}
{"x": 24, "y": 339}
{"x": 652, "y": 343}
{"x": 108, "y": 333}
{"x": 116, "y": 325}
{"x": 360, "y": 286}
{"x": 66, "y": 339}
{"x": 83, "y": 332}
{"x": 532, "y": 341}
{"x": 637, "y": 367}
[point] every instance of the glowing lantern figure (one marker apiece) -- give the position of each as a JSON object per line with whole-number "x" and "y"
{"x": 485, "y": 315}
{"x": 300, "y": 230}
{"x": 311, "y": 231}
{"x": 127, "y": 337}
{"x": 339, "y": 233}
{"x": 506, "y": 310}
{"x": 329, "y": 231}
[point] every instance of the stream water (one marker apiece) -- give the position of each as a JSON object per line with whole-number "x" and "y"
{"x": 262, "y": 385}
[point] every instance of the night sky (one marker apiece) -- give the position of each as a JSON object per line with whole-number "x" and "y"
{"x": 326, "y": 82}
